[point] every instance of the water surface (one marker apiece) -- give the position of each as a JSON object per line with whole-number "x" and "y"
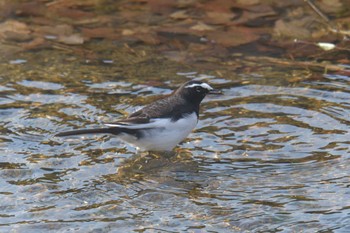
{"x": 269, "y": 155}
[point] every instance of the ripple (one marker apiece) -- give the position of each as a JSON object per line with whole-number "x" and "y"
{"x": 41, "y": 85}
{"x": 266, "y": 156}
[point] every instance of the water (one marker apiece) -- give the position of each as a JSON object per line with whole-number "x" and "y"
{"x": 269, "y": 155}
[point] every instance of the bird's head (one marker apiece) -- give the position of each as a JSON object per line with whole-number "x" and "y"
{"x": 195, "y": 91}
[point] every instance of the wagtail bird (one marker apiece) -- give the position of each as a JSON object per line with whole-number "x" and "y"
{"x": 161, "y": 125}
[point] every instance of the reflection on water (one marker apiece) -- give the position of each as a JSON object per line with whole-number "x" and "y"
{"x": 267, "y": 156}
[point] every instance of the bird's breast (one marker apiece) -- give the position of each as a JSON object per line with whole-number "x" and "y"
{"x": 166, "y": 134}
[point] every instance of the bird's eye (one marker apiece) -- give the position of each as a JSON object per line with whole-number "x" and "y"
{"x": 198, "y": 89}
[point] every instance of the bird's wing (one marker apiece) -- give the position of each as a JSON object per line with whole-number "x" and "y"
{"x": 129, "y": 122}
{"x": 163, "y": 108}
{"x": 158, "y": 109}
{"x": 149, "y": 116}
{"x": 139, "y": 123}
{"x": 140, "y": 119}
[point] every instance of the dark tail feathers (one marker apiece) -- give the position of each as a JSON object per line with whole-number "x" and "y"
{"x": 88, "y": 131}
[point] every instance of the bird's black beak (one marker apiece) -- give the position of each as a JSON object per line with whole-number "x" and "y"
{"x": 215, "y": 92}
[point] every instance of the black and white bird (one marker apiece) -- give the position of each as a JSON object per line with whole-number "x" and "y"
{"x": 161, "y": 125}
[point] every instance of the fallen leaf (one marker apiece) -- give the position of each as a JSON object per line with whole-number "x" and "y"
{"x": 331, "y": 6}
{"x": 33, "y": 8}
{"x": 35, "y": 43}
{"x": 7, "y": 8}
{"x": 235, "y": 36}
{"x": 73, "y": 14}
{"x": 248, "y": 2}
{"x": 300, "y": 24}
{"x": 202, "y": 27}
{"x": 14, "y": 26}
{"x": 175, "y": 29}
{"x": 214, "y": 17}
{"x": 295, "y": 28}
{"x": 182, "y": 14}
{"x": 253, "y": 15}
{"x": 161, "y": 7}
{"x": 15, "y": 31}
{"x": 100, "y": 20}
{"x": 100, "y": 32}
{"x": 74, "y": 39}
{"x": 185, "y": 3}
{"x": 148, "y": 38}
{"x": 221, "y": 6}
{"x": 61, "y": 29}
{"x": 75, "y": 3}
{"x": 128, "y": 32}
{"x": 17, "y": 37}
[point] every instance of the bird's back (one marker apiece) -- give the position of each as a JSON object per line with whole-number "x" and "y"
{"x": 173, "y": 107}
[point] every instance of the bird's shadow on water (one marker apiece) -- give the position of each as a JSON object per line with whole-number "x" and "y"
{"x": 166, "y": 168}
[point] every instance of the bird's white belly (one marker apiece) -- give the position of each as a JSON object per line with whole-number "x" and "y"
{"x": 166, "y": 135}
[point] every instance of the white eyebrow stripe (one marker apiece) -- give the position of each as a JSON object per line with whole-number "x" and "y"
{"x": 203, "y": 85}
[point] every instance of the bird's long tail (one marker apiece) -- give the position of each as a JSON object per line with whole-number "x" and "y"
{"x": 88, "y": 131}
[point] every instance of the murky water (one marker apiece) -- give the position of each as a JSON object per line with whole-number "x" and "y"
{"x": 270, "y": 155}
